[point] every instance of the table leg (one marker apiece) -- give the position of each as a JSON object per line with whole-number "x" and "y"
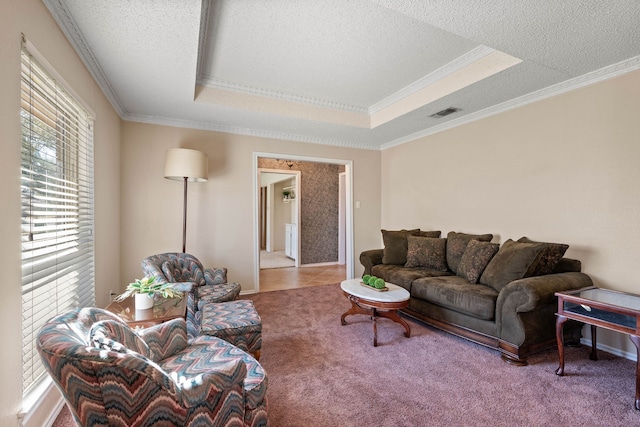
{"x": 594, "y": 352}
{"x": 636, "y": 341}
{"x": 374, "y": 314}
{"x": 393, "y": 315}
{"x": 355, "y": 309}
{"x": 560, "y": 339}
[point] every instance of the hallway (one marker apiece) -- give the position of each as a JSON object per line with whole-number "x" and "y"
{"x": 275, "y": 279}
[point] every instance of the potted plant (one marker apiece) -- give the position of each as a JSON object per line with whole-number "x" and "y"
{"x": 144, "y": 290}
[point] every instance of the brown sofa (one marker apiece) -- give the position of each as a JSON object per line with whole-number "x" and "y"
{"x": 500, "y": 296}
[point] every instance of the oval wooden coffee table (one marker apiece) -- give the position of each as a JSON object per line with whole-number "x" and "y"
{"x": 365, "y": 300}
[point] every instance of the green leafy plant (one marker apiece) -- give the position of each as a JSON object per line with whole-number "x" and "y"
{"x": 149, "y": 286}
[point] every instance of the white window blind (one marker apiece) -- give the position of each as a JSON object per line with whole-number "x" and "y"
{"x": 57, "y": 206}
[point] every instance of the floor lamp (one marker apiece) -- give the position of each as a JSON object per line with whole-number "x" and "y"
{"x": 186, "y": 165}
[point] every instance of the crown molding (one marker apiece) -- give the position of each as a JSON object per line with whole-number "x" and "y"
{"x": 448, "y": 69}
{"x": 431, "y": 78}
{"x": 65, "y": 21}
{"x": 202, "y": 37}
{"x": 588, "y": 79}
{"x": 283, "y": 96}
{"x": 260, "y": 133}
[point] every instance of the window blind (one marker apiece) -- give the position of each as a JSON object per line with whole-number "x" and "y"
{"x": 57, "y": 206}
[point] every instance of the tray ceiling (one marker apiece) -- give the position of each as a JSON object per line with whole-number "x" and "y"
{"x": 357, "y": 73}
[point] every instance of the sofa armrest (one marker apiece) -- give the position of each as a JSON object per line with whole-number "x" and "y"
{"x": 166, "y": 339}
{"x": 183, "y": 286}
{"x": 532, "y": 293}
{"x": 520, "y": 302}
{"x": 370, "y": 258}
{"x": 227, "y": 377}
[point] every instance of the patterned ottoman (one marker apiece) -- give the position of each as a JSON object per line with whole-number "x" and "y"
{"x": 236, "y": 322}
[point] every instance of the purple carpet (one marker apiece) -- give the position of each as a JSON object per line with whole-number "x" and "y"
{"x": 324, "y": 374}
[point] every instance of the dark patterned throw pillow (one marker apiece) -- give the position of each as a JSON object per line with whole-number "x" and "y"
{"x": 457, "y": 243}
{"x": 551, "y": 256}
{"x": 426, "y": 252}
{"x": 475, "y": 259}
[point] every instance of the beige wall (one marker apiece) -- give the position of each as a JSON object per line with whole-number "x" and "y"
{"x": 32, "y": 18}
{"x": 563, "y": 169}
{"x": 220, "y": 225}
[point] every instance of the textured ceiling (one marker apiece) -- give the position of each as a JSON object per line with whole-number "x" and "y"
{"x": 358, "y": 73}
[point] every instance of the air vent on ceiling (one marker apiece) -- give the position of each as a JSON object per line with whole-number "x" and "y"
{"x": 445, "y": 112}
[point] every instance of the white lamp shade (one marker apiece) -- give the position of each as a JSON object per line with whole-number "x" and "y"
{"x": 183, "y": 163}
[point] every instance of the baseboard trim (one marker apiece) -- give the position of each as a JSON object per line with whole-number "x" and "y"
{"x": 615, "y": 351}
{"x": 44, "y": 408}
{"x": 320, "y": 264}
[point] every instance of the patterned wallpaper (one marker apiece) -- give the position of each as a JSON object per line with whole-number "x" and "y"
{"x": 318, "y": 208}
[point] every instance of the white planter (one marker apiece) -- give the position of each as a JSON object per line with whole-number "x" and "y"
{"x": 143, "y": 301}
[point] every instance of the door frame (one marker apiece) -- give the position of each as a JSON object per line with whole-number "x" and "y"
{"x": 348, "y": 169}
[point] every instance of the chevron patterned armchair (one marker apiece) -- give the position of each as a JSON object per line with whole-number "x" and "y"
{"x": 207, "y": 284}
{"x": 210, "y": 284}
{"x": 110, "y": 375}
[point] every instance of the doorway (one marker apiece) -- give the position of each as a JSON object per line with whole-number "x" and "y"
{"x": 310, "y": 247}
{"x": 279, "y": 217}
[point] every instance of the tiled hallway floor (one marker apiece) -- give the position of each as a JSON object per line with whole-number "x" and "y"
{"x": 274, "y": 279}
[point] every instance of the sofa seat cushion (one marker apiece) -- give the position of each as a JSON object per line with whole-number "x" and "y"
{"x": 456, "y": 293}
{"x": 403, "y": 276}
{"x": 217, "y": 293}
{"x": 206, "y": 351}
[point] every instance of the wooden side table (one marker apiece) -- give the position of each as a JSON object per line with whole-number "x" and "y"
{"x": 164, "y": 309}
{"x": 616, "y": 311}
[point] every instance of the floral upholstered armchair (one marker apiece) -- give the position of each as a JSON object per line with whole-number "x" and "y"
{"x": 110, "y": 375}
{"x": 208, "y": 285}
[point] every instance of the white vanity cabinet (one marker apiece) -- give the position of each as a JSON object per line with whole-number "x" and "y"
{"x": 291, "y": 241}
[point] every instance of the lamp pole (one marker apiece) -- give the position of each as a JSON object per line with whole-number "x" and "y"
{"x": 184, "y": 217}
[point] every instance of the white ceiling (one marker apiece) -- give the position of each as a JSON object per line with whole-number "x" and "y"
{"x": 357, "y": 73}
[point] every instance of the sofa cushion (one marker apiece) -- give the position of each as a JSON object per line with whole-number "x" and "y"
{"x": 457, "y": 243}
{"x": 116, "y": 336}
{"x": 475, "y": 259}
{"x": 513, "y": 261}
{"x": 456, "y": 293}
{"x": 395, "y": 246}
{"x": 426, "y": 252}
{"x": 434, "y": 234}
{"x": 403, "y": 276}
{"x": 183, "y": 270}
{"x": 551, "y": 256}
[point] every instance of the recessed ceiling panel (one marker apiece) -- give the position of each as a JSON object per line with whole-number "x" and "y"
{"x": 351, "y": 52}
